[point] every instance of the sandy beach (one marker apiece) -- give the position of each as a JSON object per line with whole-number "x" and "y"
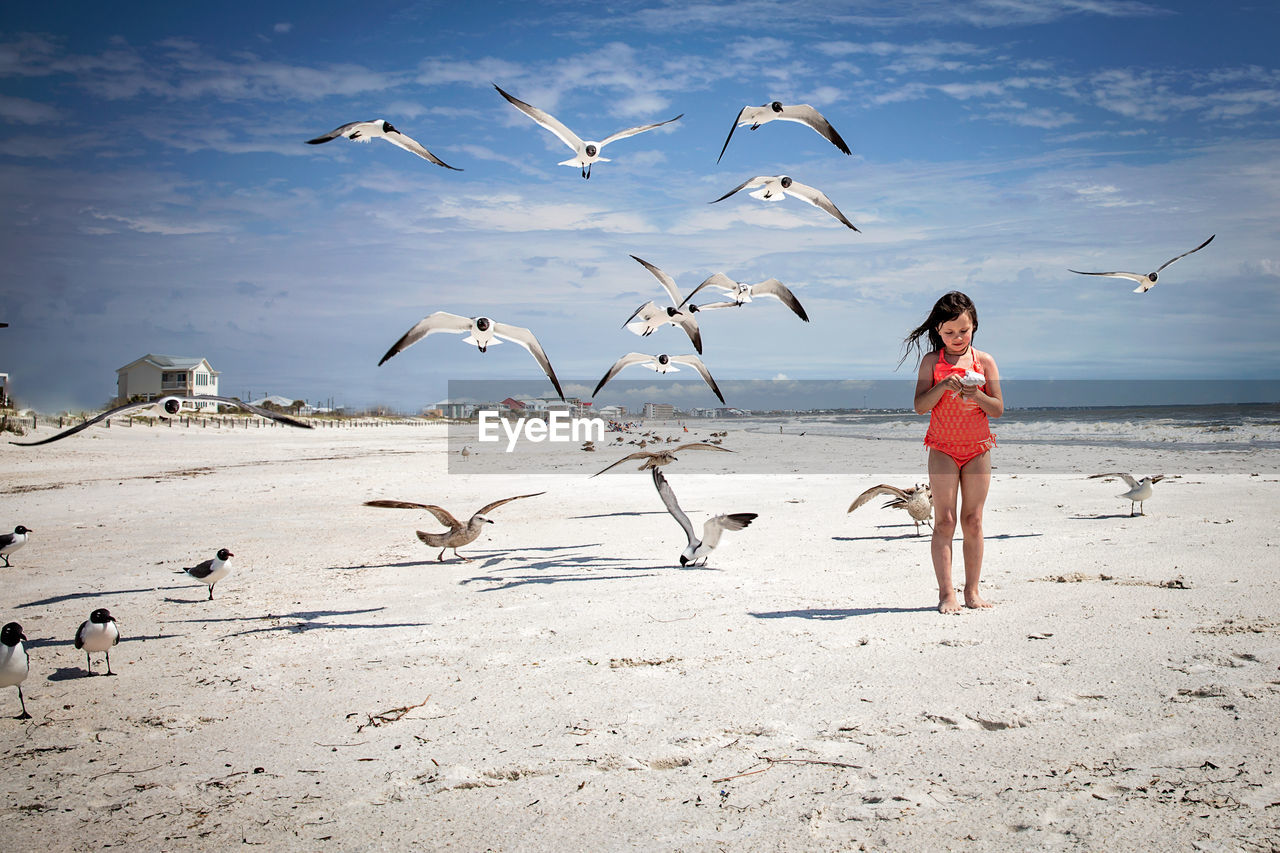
{"x": 573, "y": 688}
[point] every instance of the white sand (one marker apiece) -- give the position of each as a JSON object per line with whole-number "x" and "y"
{"x": 576, "y": 689}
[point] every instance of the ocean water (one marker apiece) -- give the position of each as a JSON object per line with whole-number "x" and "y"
{"x": 1250, "y": 426}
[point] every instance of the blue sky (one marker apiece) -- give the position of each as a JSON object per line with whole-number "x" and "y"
{"x": 159, "y": 196}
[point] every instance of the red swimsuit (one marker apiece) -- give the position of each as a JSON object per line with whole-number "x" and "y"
{"x": 958, "y": 427}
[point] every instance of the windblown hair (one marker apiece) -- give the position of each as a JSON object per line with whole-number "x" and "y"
{"x": 947, "y": 308}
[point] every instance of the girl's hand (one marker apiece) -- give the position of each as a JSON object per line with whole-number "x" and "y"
{"x": 951, "y": 383}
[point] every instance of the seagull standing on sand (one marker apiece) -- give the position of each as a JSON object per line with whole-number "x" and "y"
{"x": 1148, "y": 281}
{"x": 169, "y": 407}
{"x": 741, "y": 293}
{"x": 916, "y": 500}
{"x": 1139, "y": 490}
{"x": 10, "y": 542}
{"x": 98, "y": 634}
{"x": 458, "y": 534}
{"x": 662, "y": 364}
{"x": 656, "y": 458}
{"x": 367, "y": 131}
{"x": 585, "y": 152}
{"x": 650, "y": 317}
{"x": 211, "y": 571}
{"x": 778, "y": 111}
{"x": 481, "y": 332}
{"x": 14, "y": 664}
{"x": 778, "y": 187}
{"x": 698, "y": 549}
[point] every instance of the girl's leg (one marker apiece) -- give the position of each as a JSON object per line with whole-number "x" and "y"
{"x": 975, "y": 482}
{"x": 944, "y": 481}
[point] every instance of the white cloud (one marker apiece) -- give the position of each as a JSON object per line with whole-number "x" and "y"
{"x": 282, "y": 27}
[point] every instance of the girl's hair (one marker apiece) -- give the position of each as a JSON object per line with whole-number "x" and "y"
{"x": 947, "y": 308}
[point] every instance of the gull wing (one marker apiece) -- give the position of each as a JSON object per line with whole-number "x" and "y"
{"x": 699, "y": 445}
{"x": 870, "y": 493}
{"x": 395, "y": 137}
{"x": 690, "y": 326}
{"x": 718, "y": 280}
{"x": 757, "y": 181}
{"x": 696, "y": 363}
{"x": 442, "y": 515}
{"x": 667, "y": 281}
{"x": 817, "y": 198}
{"x": 249, "y": 407}
{"x": 526, "y": 339}
{"x": 650, "y": 310}
{"x": 737, "y": 122}
{"x": 484, "y": 509}
{"x": 778, "y": 290}
{"x": 626, "y": 361}
{"x": 441, "y": 321}
{"x": 713, "y": 527}
{"x": 338, "y": 131}
{"x": 550, "y": 122}
{"x": 632, "y": 131}
{"x": 805, "y": 114}
{"x": 711, "y": 306}
{"x": 673, "y": 506}
{"x": 127, "y": 407}
{"x": 1128, "y": 478}
{"x": 1184, "y": 254}
{"x": 1133, "y": 276}
{"x": 201, "y": 570}
{"x": 639, "y": 454}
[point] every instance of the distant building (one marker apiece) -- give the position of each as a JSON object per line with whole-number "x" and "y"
{"x": 4, "y": 390}
{"x": 154, "y": 376}
{"x": 450, "y": 409}
{"x": 659, "y": 411}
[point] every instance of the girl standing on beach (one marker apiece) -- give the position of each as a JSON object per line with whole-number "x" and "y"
{"x": 960, "y": 389}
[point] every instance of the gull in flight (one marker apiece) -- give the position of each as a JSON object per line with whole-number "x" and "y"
{"x": 916, "y": 500}
{"x": 776, "y": 110}
{"x": 657, "y": 458}
{"x": 778, "y": 187}
{"x": 650, "y": 316}
{"x": 481, "y": 332}
{"x": 584, "y": 152}
{"x": 741, "y": 293}
{"x": 1139, "y": 490}
{"x": 1148, "y": 281}
{"x": 168, "y": 407}
{"x": 459, "y": 533}
{"x": 698, "y": 549}
{"x": 662, "y": 364}
{"x": 366, "y": 131}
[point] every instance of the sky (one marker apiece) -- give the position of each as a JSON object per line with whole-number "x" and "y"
{"x": 159, "y": 195}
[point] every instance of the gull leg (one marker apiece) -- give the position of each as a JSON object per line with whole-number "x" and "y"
{"x": 210, "y": 598}
{"x": 460, "y": 557}
{"x": 108, "y": 655}
{"x": 88, "y": 664}
{"x": 5, "y": 557}
{"x": 24, "y": 715}
{"x": 440, "y": 556}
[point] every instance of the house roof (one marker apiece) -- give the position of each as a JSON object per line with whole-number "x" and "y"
{"x": 170, "y": 362}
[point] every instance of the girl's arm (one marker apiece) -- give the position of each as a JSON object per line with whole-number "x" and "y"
{"x": 928, "y": 394}
{"x": 991, "y": 400}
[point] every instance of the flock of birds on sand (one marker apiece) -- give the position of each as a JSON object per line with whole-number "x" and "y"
{"x": 99, "y": 633}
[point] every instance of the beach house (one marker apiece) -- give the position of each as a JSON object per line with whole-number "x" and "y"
{"x": 154, "y": 376}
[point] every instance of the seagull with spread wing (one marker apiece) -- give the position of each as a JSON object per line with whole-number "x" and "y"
{"x": 778, "y": 111}
{"x": 916, "y": 500}
{"x": 1148, "y": 281}
{"x": 1139, "y": 490}
{"x": 662, "y": 363}
{"x": 778, "y": 187}
{"x": 367, "y": 131}
{"x": 459, "y": 533}
{"x": 651, "y": 316}
{"x": 740, "y": 293}
{"x": 656, "y": 458}
{"x": 698, "y": 549}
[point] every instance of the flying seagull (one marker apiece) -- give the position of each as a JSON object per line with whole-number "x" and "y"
{"x": 168, "y": 407}
{"x": 698, "y": 549}
{"x": 10, "y": 542}
{"x": 98, "y": 634}
{"x": 916, "y": 500}
{"x": 741, "y": 293}
{"x": 1148, "y": 281}
{"x": 650, "y": 316}
{"x": 662, "y": 364}
{"x": 1139, "y": 490}
{"x": 778, "y": 187}
{"x": 480, "y": 332}
{"x": 776, "y": 110}
{"x": 458, "y": 534}
{"x": 656, "y": 458}
{"x": 211, "y": 571}
{"x": 584, "y": 153}
{"x": 14, "y": 664}
{"x": 366, "y": 131}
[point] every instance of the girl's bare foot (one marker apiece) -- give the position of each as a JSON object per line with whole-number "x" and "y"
{"x": 949, "y": 603}
{"x": 972, "y": 599}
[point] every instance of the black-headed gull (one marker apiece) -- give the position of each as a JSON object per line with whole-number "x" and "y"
{"x": 1139, "y": 490}
{"x": 778, "y": 187}
{"x": 1148, "y": 281}
{"x": 584, "y": 152}
{"x": 916, "y": 500}
{"x": 651, "y": 316}
{"x": 10, "y": 542}
{"x": 14, "y": 664}
{"x": 662, "y": 364}
{"x": 657, "y": 458}
{"x": 365, "y": 131}
{"x": 98, "y": 634}
{"x": 459, "y": 533}
{"x": 211, "y": 571}
{"x": 778, "y": 111}
{"x": 740, "y": 292}
{"x": 168, "y": 407}
{"x": 698, "y": 549}
{"x": 481, "y": 332}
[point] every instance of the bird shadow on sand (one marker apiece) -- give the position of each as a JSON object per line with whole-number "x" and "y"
{"x": 617, "y": 515}
{"x": 68, "y": 673}
{"x": 57, "y": 599}
{"x": 297, "y": 623}
{"x": 47, "y": 643}
{"x": 405, "y": 565}
{"x": 1103, "y": 517}
{"x": 831, "y": 614}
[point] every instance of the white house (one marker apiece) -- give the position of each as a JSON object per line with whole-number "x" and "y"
{"x": 154, "y": 376}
